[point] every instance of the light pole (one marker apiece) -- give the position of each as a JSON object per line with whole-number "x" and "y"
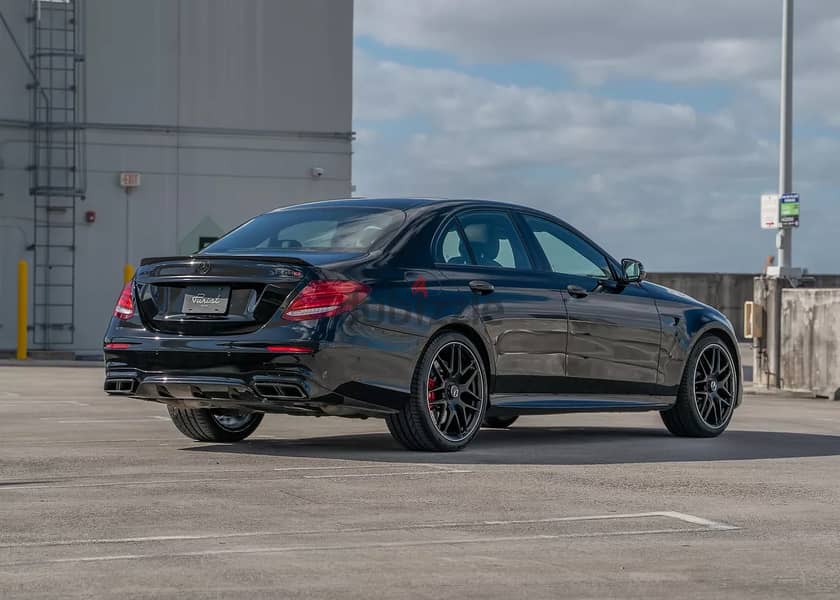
{"x": 784, "y": 239}
{"x": 768, "y": 290}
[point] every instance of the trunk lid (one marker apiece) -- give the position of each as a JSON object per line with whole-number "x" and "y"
{"x": 216, "y": 295}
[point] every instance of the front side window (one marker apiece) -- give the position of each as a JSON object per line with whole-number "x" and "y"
{"x": 311, "y": 228}
{"x": 493, "y": 240}
{"x": 566, "y": 252}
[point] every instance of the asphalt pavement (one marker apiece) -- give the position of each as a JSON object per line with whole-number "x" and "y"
{"x": 102, "y": 498}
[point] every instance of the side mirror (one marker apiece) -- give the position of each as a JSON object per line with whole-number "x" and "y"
{"x": 632, "y": 270}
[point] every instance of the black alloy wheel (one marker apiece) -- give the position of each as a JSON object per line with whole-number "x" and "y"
{"x": 449, "y": 397}
{"x": 714, "y": 385}
{"x": 207, "y": 425}
{"x": 708, "y": 392}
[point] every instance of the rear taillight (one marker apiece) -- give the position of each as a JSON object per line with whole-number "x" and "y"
{"x": 124, "y": 309}
{"x": 325, "y": 298}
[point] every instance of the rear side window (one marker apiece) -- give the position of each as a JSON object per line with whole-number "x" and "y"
{"x": 311, "y": 228}
{"x": 493, "y": 239}
{"x": 451, "y": 248}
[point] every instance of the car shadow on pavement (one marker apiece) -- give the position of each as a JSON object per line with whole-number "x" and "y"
{"x": 551, "y": 446}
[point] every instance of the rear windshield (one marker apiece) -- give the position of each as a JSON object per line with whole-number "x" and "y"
{"x": 313, "y": 228}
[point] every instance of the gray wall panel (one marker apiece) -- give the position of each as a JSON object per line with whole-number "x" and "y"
{"x": 131, "y": 51}
{"x": 204, "y": 101}
{"x": 276, "y": 65}
{"x": 15, "y": 101}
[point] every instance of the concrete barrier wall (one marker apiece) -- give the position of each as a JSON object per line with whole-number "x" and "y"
{"x": 811, "y": 341}
{"x": 727, "y": 292}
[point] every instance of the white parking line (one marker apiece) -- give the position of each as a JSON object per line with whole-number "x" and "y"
{"x": 340, "y": 467}
{"x": 31, "y": 402}
{"x": 63, "y": 484}
{"x": 704, "y": 525}
{"x": 50, "y": 486}
{"x": 667, "y": 514}
{"x": 699, "y": 521}
{"x": 393, "y": 474}
{"x": 66, "y": 421}
{"x": 358, "y": 546}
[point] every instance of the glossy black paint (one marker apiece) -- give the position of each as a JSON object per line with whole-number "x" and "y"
{"x": 550, "y": 342}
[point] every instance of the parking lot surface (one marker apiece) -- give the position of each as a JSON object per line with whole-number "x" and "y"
{"x": 102, "y": 497}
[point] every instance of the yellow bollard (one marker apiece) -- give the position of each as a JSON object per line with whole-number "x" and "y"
{"x": 22, "y": 307}
{"x": 128, "y": 273}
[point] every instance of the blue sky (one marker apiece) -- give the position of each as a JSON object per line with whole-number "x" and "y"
{"x": 651, "y": 125}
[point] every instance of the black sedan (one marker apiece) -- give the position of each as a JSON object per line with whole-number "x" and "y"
{"x": 440, "y": 316}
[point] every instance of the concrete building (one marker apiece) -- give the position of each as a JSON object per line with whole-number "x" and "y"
{"x": 224, "y": 108}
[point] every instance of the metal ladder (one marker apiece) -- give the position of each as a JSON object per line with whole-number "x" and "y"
{"x": 57, "y": 180}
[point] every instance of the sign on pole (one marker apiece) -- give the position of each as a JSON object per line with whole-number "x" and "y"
{"x": 779, "y": 212}
{"x": 789, "y": 210}
{"x": 770, "y": 211}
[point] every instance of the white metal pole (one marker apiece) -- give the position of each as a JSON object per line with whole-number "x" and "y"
{"x": 784, "y": 241}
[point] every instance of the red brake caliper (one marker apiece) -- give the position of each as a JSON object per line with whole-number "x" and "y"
{"x": 429, "y": 385}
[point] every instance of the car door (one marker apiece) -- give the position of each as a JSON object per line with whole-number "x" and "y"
{"x": 614, "y": 328}
{"x": 482, "y": 251}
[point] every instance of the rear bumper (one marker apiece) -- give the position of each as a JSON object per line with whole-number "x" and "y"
{"x": 271, "y": 393}
{"x": 333, "y": 379}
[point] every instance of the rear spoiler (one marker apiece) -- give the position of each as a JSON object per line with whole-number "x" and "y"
{"x": 288, "y": 260}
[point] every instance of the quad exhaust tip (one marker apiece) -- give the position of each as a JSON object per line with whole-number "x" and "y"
{"x": 286, "y": 391}
{"x": 272, "y": 390}
{"x": 119, "y": 386}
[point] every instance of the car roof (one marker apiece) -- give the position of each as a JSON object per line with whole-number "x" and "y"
{"x": 429, "y": 203}
{"x": 401, "y": 203}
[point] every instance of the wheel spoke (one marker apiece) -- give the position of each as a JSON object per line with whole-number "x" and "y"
{"x": 458, "y": 422}
{"x": 474, "y": 395}
{"x": 707, "y": 408}
{"x": 449, "y": 419}
{"x": 470, "y": 367}
{"x": 471, "y": 379}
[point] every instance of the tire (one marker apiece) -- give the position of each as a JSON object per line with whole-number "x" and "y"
{"x": 704, "y": 409}
{"x": 499, "y": 422}
{"x": 436, "y": 417}
{"x": 205, "y": 425}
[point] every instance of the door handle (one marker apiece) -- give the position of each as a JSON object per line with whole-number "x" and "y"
{"x": 481, "y": 287}
{"x": 576, "y": 291}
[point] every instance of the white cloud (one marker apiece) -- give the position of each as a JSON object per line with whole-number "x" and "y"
{"x": 665, "y": 182}
{"x": 674, "y": 40}
{"x": 640, "y": 174}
